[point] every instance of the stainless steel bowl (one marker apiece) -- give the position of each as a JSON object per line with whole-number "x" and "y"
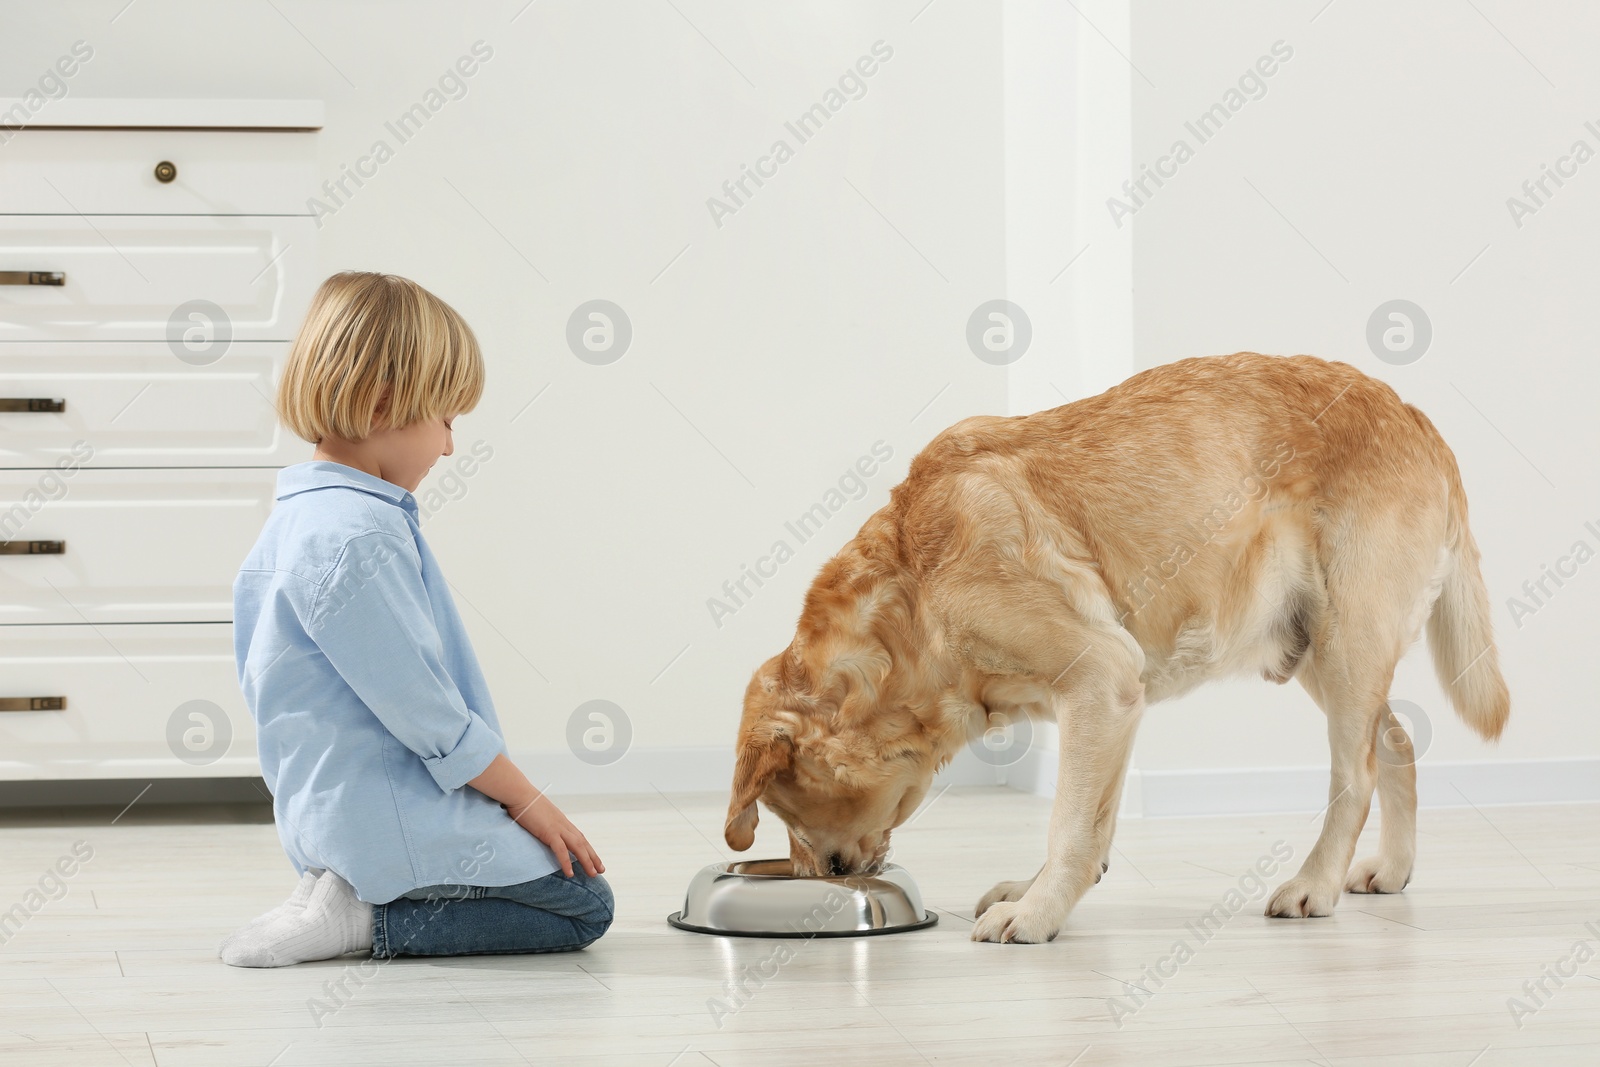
{"x": 763, "y": 898}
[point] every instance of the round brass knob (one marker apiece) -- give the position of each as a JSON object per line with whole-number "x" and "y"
{"x": 166, "y": 171}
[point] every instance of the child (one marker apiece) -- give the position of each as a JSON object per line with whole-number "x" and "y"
{"x": 372, "y": 716}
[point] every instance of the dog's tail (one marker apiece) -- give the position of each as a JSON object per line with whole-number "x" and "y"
{"x": 1460, "y": 633}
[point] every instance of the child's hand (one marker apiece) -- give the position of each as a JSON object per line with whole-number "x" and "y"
{"x": 534, "y": 812}
{"x": 545, "y": 821}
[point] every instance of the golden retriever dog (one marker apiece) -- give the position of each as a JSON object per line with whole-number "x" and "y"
{"x": 1285, "y": 516}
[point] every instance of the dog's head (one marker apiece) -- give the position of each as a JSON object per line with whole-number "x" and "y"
{"x": 841, "y": 772}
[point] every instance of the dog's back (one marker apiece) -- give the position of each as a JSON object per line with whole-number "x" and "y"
{"x": 1220, "y": 499}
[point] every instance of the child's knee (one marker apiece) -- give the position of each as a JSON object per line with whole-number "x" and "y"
{"x": 595, "y": 915}
{"x": 603, "y": 905}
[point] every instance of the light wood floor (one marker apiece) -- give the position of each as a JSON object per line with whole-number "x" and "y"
{"x": 122, "y": 969}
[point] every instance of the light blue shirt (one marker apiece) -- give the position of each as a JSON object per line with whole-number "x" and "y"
{"x": 371, "y": 713}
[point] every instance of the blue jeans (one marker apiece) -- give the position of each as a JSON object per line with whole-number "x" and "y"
{"x": 550, "y": 914}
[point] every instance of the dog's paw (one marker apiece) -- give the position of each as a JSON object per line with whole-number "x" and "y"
{"x": 1003, "y": 891}
{"x": 1301, "y": 898}
{"x": 1014, "y": 921}
{"x": 1373, "y": 875}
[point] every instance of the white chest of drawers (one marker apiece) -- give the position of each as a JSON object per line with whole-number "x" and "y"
{"x": 156, "y": 258}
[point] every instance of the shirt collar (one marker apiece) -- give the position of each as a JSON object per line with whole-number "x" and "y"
{"x": 325, "y": 474}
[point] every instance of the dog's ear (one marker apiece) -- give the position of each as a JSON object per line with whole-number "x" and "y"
{"x": 761, "y": 756}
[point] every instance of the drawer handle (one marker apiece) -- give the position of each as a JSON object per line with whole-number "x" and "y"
{"x": 33, "y": 277}
{"x": 33, "y": 703}
{"x": 33, "y": 548}
{"x": 31, "y": 403}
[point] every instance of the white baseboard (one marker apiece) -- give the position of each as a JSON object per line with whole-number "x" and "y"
{"x": 118, "y": 770}
{"x": 1156, "y": 793}
{"x": 1241, "y": 791}
{"x": 709, "y": 769}
{"x": 1270, "y": 790}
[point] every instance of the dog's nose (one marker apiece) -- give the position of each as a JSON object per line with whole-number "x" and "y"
{"x": 836, "y": 865}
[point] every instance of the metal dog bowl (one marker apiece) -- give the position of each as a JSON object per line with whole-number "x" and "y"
{"x": 763, "y": 898}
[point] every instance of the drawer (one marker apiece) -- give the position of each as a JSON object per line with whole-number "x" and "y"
{"x": 140, "y": 701}
{"x": 137, "y": 545}
{"x": 111, "y": 172}
{"x": 192, "y": 282}
{"x": 138, "y": 406}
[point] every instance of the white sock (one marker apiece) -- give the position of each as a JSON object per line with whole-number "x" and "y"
{"x": 296, "y": 901}
{"x": 333, "y": 922}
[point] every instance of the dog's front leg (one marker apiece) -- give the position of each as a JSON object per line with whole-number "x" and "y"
{"x": 1096, "y": 730}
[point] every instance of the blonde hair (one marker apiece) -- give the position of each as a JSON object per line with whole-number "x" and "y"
{"x": 366, "y": 334}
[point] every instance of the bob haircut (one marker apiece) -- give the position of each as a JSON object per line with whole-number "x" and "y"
{"x": 368, "y": 335}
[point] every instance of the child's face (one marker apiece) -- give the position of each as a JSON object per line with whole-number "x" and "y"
{"x": 406, "y": 455}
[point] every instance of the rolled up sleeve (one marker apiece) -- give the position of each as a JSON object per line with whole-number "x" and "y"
{"x": 372, "y": 619}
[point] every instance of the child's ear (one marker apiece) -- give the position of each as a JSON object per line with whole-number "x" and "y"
{"x": 760, "y": 758}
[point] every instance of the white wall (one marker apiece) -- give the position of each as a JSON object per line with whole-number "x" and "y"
{"x": 1391, "y": 141}
{"x": 830, "y": 312}
{"x": 1067, "y": 136}
{"x": 1068, "y": 129}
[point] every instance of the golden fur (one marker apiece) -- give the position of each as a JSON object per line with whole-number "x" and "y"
{"x": 1281, "y": 515}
